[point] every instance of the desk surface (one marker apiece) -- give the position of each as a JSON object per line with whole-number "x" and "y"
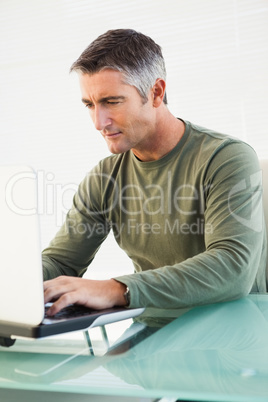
{"x": 212, "y": 353}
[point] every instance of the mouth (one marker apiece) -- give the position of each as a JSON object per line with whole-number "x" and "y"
{"x": 111, "y": 136}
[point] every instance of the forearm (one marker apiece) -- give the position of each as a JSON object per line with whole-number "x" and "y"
{"x": 231, "y": 266}
{"x": 210, "y": 277}
{"x": 53, "y": 269}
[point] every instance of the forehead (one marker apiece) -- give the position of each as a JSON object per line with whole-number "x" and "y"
{"x": 104, "y": 83}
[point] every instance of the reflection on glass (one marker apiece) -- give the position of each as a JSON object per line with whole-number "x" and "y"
{"x": 218, "y": 350}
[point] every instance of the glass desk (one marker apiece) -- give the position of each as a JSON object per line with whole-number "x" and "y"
{"x": 217, "y": 352}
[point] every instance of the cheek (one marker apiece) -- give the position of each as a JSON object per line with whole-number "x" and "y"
{"x": 126, "y": 119}
{"x": 134, "y": 118}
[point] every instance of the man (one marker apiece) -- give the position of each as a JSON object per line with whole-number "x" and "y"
{"x": 183, "y": 202}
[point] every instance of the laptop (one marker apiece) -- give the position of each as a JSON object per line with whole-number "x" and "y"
{"x": 22, "y": 310}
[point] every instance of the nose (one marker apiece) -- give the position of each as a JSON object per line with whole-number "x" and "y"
{"x": 100, "y": 118}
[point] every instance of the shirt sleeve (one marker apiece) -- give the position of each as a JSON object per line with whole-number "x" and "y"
{"x": 233, "y": 263}
{"x": 78, "y": 240}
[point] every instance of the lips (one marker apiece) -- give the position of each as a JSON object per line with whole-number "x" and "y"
{"x": 112, "y": 135}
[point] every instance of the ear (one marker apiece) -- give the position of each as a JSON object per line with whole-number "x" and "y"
{"x": 158, "y": 92}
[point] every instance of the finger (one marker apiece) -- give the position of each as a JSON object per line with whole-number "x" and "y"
{"x": 55, "y": 291}
{"x": 65, "y": 300}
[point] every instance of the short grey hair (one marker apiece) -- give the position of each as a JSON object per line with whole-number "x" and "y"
{"x": 134, "y": 54}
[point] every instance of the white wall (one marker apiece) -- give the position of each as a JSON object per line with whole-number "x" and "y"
{"x": 216, "y": 54}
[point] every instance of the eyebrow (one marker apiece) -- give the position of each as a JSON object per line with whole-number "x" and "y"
{"x": 105, "y": 99}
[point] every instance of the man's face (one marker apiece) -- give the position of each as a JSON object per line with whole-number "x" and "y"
{"x": 119, "y": 112}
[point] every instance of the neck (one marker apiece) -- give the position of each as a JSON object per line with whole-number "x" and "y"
{"x": 167, "y": 133}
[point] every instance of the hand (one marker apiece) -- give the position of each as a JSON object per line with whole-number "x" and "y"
{"x": 94, "y": 294}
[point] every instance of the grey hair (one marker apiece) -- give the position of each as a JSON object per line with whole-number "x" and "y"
{"x": 134, "y": 54}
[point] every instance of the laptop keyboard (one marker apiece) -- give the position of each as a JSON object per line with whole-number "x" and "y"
{"x": 72, "y": 311}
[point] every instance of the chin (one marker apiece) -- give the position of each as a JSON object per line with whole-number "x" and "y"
{"x": 118, "y": 150}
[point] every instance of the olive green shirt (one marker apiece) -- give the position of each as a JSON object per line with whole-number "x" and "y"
{"x": 192, "y": 222}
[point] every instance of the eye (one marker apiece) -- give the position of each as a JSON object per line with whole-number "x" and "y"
{"x": 89, "y": 105}
{"x": 112, "y": 103}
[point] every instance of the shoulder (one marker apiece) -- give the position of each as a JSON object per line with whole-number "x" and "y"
{"x": 214, "y": 148}
{"x": 210, "y": 137}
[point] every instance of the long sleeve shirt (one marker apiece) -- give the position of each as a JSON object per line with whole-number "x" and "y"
{"x": 192, "y": 222}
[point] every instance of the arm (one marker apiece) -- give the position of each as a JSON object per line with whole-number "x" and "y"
{"x": 233, "y": 262}
{"x": 72, "y": 250}
{"x": 78, "y": 240}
